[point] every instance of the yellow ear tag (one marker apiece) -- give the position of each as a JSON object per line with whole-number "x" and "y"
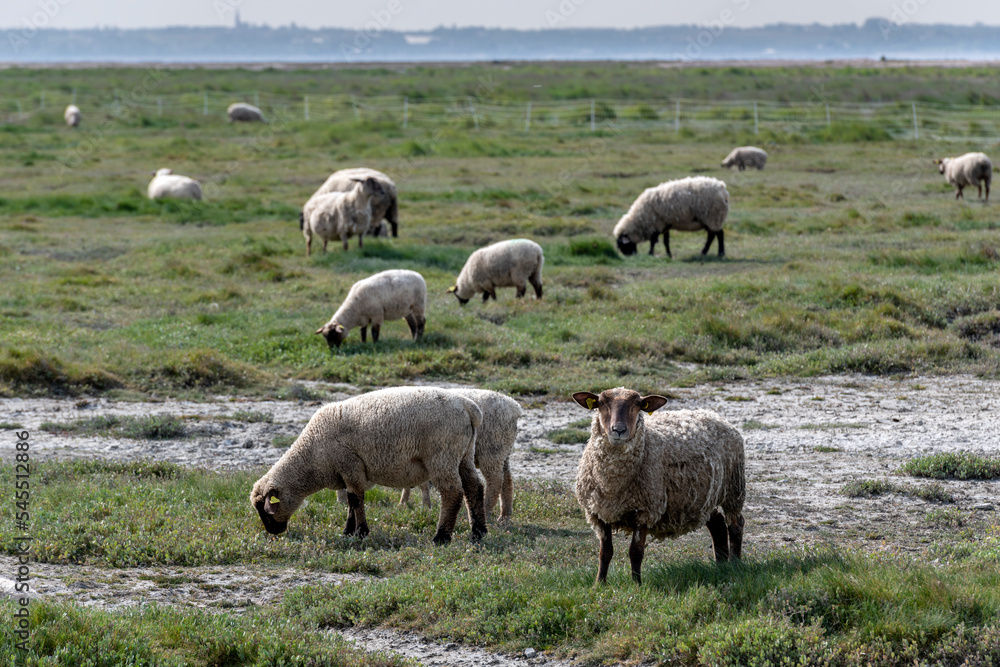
{"x": 645, "y": 408}
{"x": 274, "y": 500}
{"x": 590, "y": 403}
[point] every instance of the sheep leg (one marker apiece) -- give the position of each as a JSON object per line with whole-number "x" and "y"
{"x": 361, "y": 240}
{"x": 472, "y": 488}
{"x": 666, "y": 242}
{"x": 392, "y": 215}
{"x": 451, "y": 501}
{"x": 364, "y": 333}
{"x": 411, "y": 321}
{"x": 636, "y": 551}
{"x": 421, "y": 321}
{"x": 959, "y": 194}
{"x": 309, "y": 247}
{"x": 521, "y": 291}
{"x": 425, "y": 493}
{"x": 606, "y": 551}
{"x": 356, "y": 515}
{"x": 506, "y": 494}
{"x": 708, "y": 243}
{"x": 720, "y": 535}
{"x": 494, "y": 486}
{"x": 736, "y": 537}
{"x": 375, "y": 330}
{"x": 486, "y": 296}
{"x": 536, "y": 282}
{"x": 404, "y": 498}
{"x": 722, "y": 245}
{"x": 652, "y": 242}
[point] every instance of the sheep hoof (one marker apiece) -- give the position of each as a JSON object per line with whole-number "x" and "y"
{"x": 442, "y": 538}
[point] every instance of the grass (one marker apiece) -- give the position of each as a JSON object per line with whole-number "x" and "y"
{"x": 146, "y": 427}
{"x": 871, "y": 488}
{"x": 957, "y": 465}
{"x": 575, "y": 433}
{"x": 530, "y": 585}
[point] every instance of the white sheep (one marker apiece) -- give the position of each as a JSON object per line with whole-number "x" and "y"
{"x": 746, "y": 156}
{"x": 384, "y": 206}
{"x": 512, "y": 263}
{"x": 398, "y": 437}
{"x": 969, "y": 169}
{"x": 72, "y": 115}
{"x": 688, "y": 204}
{"x": 167, "y": 184}
{"x": 241, "y": 112}
{"x": 339, "y": 214}
{"x": 494, "y": 443}
{"x": 661, "y": 477}
{"x": 389, "y": 295}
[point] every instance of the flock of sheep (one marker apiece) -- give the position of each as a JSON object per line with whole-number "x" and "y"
{"x": 661, "y": 476}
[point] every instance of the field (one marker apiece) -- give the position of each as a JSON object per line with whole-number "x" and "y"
{"x": 847, "y": 255}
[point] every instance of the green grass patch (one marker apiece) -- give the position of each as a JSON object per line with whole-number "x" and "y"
{"x": 871, "y": 488}
{"x": 144, "y": 427}
{"x": 957, "y": 465}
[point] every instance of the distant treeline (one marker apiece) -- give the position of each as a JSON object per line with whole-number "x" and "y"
{"x": 893, "y": 37}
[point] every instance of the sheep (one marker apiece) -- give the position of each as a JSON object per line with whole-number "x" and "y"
{"x": 398, "y": 437}
{"x": 342, "y": 214}
{"x": 746, "y": 156}
{"x": 167, "y": 184}
{"x": 688, "y": 204}
{"x": 389, "y": 295}
{"x": 662, "y": 477}
{"x": 241, "y": 112}
{"x": 383, "y": 206}
{"x": 494, "y": 443}
{"x": 969, "y": 169}
{"x": 504, "y": 264}
{"x": 72, "y": 115}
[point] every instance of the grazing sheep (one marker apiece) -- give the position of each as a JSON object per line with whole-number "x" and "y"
{"x": 340, "y": 214}
{"x": 494, "y": 443}
{"x": 72, "y": 115}
{"x": 241, "y": 112}
{"x": 167, "y": 184}
{"x": 384, "y": 205}
{"x": 398, "y": 437}
{"x": 662, "y": 477}
{"x": 687, "y": 205}
{"x": 746, "y": 156}
{"x": 389, "y": 295}
{"x": 969, "y": 169}
{"x": 510, "y": 263}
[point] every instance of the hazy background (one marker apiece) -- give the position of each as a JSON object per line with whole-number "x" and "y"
{"x": 417, "y": 15}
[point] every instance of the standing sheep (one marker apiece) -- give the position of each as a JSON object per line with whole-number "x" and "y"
{"x": 969, "y": 169}
{"x": 167, "y": 184}
{"x": 241, "y": 112}
{"x": 511, "y": 263}
{"x": 494, "y": 443}
{"x": 340, "y": 214}
{"x": 385, "y": 205}
{"x": 398, "y": 437}
{"x": 746, "y": 156}
{"x": 389, "y": 295}
{"x": 688, "y": 204}
{"x": 661, "y": 477}
{"x": 72, "y": 115}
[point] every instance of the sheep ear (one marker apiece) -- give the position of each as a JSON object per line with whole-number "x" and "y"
{"x": 586, "y": 399}
{"x": 452, "y": 289}
{"x": 339, "y": 328}
{"x": 320, "y": 330}
{"x": 270, "y": 500}
{"x": 652, "y": 403}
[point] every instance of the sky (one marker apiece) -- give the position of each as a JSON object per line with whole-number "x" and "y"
{"x": 418, "y": 15}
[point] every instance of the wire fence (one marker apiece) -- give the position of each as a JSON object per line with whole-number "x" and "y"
{"x": 899, "y": 120}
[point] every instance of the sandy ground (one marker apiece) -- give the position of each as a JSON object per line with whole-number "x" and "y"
{"x": 865, "y": 428}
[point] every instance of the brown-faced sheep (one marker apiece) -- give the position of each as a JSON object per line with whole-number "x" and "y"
{"x": 339, "y": 214}
{"x": 388, "y": 295}
{"x": 661, "y": 477}
{"x": 398, "y": 437}
{"x": 512, "y": 263}
{"x": 384, "y": 206}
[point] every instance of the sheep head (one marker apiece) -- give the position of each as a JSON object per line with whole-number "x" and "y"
{"x": 370, "y": 186}
{"x": 454, "y": 290}
{"x": 334, "y": 333}
{"x": 274, "y": 511}
{"x": 941, "y": 164}
{"x": 626, "y": 245}
{"x": 618, "y": 410}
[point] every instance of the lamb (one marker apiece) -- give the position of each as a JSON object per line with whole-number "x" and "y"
{"x": 746, "y": 156}
{"x": 494, "y": 443}
{"x": 340, "y": 214}
{"x": 504, "y": 264}
{"x": 398, "y": 437}
{"x": 167, "y": 184}
{"x": 688, "y": 204}
{"x": 72, "y": 115}
{"x": 241, "y": 112}
{"x": 389, "y": 295}
{"x": 383, "y": 206}
{"x": 969, "y": 169}
{"x": 661, "y": 477}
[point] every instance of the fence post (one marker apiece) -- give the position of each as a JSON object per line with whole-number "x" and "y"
{"x": 828, "y": 114}
{"x": 472, "y": 109}
{"x": 916, "y": 129}
{"x": 204, "y": 109}
{"x": 406, "y": 111}
{"x": 357, "y": 116}
{"x": 305, "y": 107}
{"x": 593, "y": 123}
{"x": 756, "y": 125}
{"x": 527, "y": 117}
{"x": 677, "y": 117}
